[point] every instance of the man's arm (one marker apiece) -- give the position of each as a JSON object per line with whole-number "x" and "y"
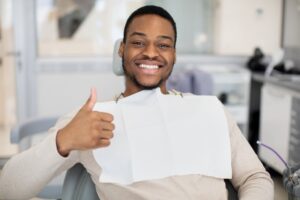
{"x": 27, "y": 173}
{"x": 249, "y": 176}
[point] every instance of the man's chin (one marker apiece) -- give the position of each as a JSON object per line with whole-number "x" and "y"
{"x": 148, "y": 86}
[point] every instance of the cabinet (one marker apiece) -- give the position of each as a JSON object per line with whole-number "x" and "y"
{"x": 279, "y": 125}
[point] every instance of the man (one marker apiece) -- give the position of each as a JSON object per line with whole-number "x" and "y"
{"x": 148, "y": 53}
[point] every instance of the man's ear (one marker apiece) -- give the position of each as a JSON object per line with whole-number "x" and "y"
{"x": 121, "y": 49}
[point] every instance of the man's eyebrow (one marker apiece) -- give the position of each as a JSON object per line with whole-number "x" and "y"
{"x": 137, "y": 33}
{"x": 143, "y": 34}
{"x": 166, "y": 37}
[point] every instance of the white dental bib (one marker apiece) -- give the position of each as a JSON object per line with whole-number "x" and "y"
{"x": 158, "y": 136}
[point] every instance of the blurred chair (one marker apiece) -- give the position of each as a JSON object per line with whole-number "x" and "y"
{"x": 78, "y": 185}
{"x": 29, "y": 133}
{"x": 232, "y": 193}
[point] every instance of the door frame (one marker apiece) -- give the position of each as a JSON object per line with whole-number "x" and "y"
{"x": 25, "y": 48}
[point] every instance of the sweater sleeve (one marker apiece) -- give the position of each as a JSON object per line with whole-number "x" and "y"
{"x": 249, "y": 177}
{"x": 27, "y": 173}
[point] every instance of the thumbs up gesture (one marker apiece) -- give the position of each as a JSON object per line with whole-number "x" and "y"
{"x": 87, "y": 130}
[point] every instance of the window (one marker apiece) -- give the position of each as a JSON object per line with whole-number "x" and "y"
{"x": 90, "y": 27}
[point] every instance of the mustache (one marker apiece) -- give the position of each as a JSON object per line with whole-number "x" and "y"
{"x": 155, "y": 59}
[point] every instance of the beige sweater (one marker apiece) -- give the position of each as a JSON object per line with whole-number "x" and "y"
{"x": 28, "y": 172}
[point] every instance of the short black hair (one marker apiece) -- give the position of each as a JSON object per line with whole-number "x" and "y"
{"x": 154, "y": 10}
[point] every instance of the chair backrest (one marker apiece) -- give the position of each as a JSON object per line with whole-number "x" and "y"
{"x": 117, "y": 60}
{"x": 78, "y": 185}
{"x": 31, "y": 127}
{"x": 232, "y": 193}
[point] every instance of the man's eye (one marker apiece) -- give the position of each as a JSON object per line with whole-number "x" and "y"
{"x": 164, "y": 46}
{"x": 138, "y": 44}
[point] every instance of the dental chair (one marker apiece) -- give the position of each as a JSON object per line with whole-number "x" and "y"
{"x": 29, "y": 133}
{"x": 78, "y": 184}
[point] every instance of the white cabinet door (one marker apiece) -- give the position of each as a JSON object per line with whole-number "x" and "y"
{"x": 275, "y": 124}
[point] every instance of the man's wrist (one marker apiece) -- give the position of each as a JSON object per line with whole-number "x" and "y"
{"x": 61, "y": 144}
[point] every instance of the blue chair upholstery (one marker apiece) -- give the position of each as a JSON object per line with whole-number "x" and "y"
{"x": 30, "y": 128}
{"x": 78, "y": 185}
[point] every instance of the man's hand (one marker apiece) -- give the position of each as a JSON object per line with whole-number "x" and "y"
{"x": 87, "y": 130}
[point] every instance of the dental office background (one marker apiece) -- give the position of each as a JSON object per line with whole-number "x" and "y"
{"x": 53, "y": 51}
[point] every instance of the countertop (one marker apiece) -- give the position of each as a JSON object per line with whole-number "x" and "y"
{"x": 282, "y": 80}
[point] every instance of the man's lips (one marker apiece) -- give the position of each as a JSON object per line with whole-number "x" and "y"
{"x": 149, "y": 64}
{"x": 148, "y": 69}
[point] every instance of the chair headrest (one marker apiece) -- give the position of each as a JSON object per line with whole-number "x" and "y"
{"x": 117, "y": 60}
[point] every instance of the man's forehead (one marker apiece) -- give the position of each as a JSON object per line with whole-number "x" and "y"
{"x": 146, "y": 22}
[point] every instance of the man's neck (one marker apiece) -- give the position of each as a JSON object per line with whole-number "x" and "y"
{"x": 130, "y": 91}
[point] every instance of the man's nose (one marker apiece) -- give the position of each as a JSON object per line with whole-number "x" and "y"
{"x": 151, "y": 51}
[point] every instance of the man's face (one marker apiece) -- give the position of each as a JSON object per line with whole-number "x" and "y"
{"x": 148, "y": 54}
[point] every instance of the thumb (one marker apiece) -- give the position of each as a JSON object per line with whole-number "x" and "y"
{"x": 89, "y": 105}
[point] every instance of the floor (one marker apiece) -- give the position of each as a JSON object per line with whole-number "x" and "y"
{"x": 280, "y": 193}
{"x": 7, "y": 150}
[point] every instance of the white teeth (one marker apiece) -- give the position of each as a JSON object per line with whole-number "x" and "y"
{"x": 148, "y": 66}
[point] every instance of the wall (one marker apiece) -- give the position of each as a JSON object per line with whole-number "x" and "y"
{"x": 242, "y": 25}
{"x": 291, "y": 31}
{"x": 60, "y": 92}
{"x": 1, "y": 71}
{"x": 7, "y": 72}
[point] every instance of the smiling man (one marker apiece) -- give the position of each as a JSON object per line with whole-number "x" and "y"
{"x": 148, "y": 52}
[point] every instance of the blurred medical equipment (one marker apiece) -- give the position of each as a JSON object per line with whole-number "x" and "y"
{"x": 28, "y": 134}
{"x": 291, "y": 182}
{"x": 291, "y": 175}
{"x": 277, "y": 57}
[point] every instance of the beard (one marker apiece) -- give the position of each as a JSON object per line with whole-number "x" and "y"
{"x": 140, "y": 85}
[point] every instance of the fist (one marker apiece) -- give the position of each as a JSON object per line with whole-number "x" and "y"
{"x": 87, "y": 130}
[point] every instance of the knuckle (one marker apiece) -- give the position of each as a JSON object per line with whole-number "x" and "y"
{"x": 111, "y": 135}
{"x": 113, "y": 126}
{"x": 106, "y": 143}
{"x": 111, "y": 117}
{"x": 95, "y": 135}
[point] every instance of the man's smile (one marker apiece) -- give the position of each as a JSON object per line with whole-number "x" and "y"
{"x": 149, "y": 67}
{"x": 145, "y": 66}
